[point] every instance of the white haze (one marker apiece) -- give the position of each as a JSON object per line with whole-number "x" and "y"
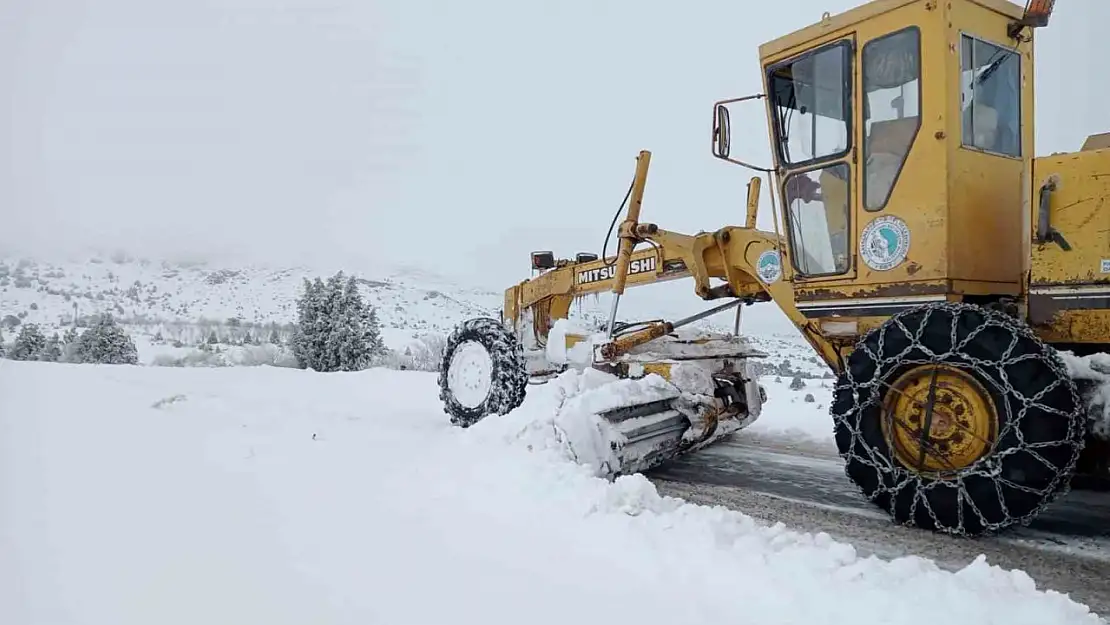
{"x": 455, "y": 136}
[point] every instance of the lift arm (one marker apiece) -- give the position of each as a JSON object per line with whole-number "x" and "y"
{"x": 730, "y": 254}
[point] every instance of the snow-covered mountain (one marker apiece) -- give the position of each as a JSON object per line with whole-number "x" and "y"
{"x": 150, "y": 293}
{"x": 174, "y": 305}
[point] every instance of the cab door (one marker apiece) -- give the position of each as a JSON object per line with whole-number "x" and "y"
{"x": 811, "y": 96}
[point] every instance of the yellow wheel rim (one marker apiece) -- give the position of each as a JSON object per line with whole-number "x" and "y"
{"x": 963, "y": 426}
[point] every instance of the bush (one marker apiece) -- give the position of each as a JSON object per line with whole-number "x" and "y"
{"x": 423, "y": 354}
{"x": 239, "y": 356}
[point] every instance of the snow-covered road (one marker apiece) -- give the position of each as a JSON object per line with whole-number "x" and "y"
{"x": 144, "y": 495}
{"x": 775, "y": 478}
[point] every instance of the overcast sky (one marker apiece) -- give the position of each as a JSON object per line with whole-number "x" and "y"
{"x": 453, "y": 135}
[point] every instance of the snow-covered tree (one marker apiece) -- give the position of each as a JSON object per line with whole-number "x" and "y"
{"x": 106, "y": 343}
{"x": 310, "y": 326}
{"x": 28, "y": 344}
{"x": 69, "y": 345}
{"x": 336, "y": 330}
{"x": 1, "y": 344}
{"x": 52, "y": 350}
{"x": 372, "y": 332}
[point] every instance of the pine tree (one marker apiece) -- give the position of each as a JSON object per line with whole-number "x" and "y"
{"x": 70, "y": 346}
{"x": 29, "y": 343}
{"x": 354, "y": 337}
{"x": 336, "y": 330}
{"x": 52, "y": 350}
{"x": 332, "y": 313}
{"x": 307, "y": 328}
{"x": 106, "y": 343}
{"x": 372, "y": 334}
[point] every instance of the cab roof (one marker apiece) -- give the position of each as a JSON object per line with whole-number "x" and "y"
{"x": 861, "y": 13}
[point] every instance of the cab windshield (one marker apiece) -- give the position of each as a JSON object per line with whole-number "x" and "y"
{"x": 811, "y": 98}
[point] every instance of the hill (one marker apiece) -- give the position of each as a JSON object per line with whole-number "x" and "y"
{"x": 174, "y": 308}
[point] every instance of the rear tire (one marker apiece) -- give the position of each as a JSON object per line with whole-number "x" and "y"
{"x": 483, "y": 371}
{"x": 1037, "y": 427}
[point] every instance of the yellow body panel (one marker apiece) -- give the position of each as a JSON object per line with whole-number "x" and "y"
{"x": 662, "y": 369}
{"x": 1069, "y": 290}
{"x": 986, "y": 191}
{"x": 1097, "y": 141}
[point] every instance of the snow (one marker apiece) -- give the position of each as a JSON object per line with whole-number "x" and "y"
{"x": 580, "y": 353}
{"x": 137, "y": 495}
{"x": 1094, "y": 368}
{"x": 158, "y": 293}
{"x": 787, "y": 414}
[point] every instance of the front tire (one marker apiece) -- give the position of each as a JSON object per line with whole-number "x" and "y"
{"x": 483, "y": 371}
{"x": 988, "y": 447}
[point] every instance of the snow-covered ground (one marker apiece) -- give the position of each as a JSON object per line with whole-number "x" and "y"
{"x": 147, "y": 495}
{"x": 788, "y": 412}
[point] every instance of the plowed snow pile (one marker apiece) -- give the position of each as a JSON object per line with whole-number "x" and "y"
{"x": 133, "y": 495}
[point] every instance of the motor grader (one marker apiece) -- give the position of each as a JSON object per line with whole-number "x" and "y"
{"x": 956, "y": 285}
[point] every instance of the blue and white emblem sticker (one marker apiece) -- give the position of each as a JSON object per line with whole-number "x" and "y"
{"x": 769, "y": 266}
{"x": 885, "y": 243}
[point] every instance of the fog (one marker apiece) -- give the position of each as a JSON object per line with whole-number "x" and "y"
{"x": 454, "y": 136}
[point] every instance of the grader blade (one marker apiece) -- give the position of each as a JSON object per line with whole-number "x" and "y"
{"x": 647, "y": 435}
{"x": 666, "y": 397}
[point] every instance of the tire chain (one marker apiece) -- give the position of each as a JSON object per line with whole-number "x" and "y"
{"x": 988, "y": 467}
{"x": 509, "y": 372}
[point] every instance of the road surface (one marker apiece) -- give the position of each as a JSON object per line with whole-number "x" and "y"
{"x": 1067, "y": 548}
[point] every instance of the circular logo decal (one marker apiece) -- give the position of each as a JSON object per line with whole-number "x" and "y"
{"x": 884, "y": 243}
{"x": 769, "y": 266}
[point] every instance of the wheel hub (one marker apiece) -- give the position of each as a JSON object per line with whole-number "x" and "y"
{"x": 938, "y": 419}
{"x": 470, "y": 374}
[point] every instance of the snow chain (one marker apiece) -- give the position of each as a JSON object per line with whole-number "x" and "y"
{"x": 875, "y": 364}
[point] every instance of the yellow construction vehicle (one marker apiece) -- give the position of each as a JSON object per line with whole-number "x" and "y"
{"x": 957, "y": 286}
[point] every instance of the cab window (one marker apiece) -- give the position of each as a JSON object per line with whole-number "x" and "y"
{"x": 990, "y": 97}
{"x": 811, "y": 99}
{"x": 891, "y": 111}
{"x": 817, "y": 216}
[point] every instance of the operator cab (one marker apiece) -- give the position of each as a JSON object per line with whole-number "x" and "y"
{"x": 899, "y": 148}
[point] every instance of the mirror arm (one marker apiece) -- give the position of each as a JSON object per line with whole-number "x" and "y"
{"x": 717, "y": 106}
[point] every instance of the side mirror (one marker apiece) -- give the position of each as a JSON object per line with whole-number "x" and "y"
{"x": 721, "y": 132}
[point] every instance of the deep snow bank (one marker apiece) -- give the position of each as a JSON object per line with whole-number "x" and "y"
{"x": 1093, "y": 374}
{"x": 136, "y": 495}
